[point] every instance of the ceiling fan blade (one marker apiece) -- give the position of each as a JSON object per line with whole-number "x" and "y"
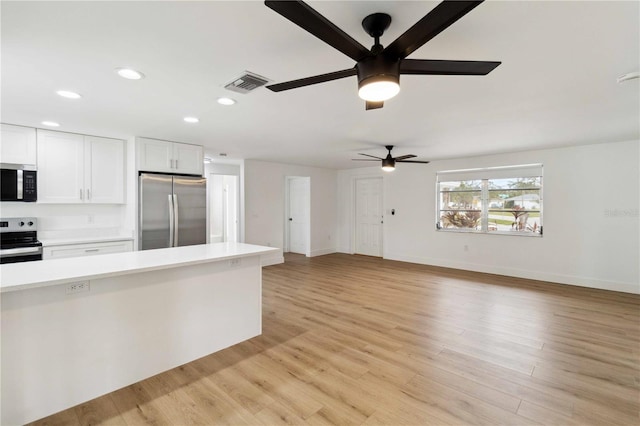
{"x": 307, "y": 81}
{"x": 444, "y": 67}
{"x": 404, "y": 157}
{"x": 373, "y": 105}
{"x": 310, "y": 20}
{"x": 412, "y": 161}
{"x": 363, "y": 159}
{"x": 432, "y": 24}
{"x": 372, "y": 156}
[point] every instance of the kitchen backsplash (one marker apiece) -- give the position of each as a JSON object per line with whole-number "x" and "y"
{"x": 71, "y": 220}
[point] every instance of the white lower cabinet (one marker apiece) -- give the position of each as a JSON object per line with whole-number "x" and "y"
{"x": 88, "y": 249}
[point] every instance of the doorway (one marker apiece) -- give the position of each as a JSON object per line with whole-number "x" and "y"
{"x": 224, "y": 208}
{"x": 369, "y": 216}
{"x": 297, "y": 215}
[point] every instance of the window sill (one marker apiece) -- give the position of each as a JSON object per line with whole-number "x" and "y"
{"x": 475, "y": 231}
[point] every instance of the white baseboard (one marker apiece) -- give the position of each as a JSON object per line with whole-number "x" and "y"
{"x": 521, "y": 273}
{"x": 322, "y": 252}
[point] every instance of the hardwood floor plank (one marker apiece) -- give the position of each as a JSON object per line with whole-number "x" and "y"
{"x": 99, "y": 411}
{"x": 63, "y": 418}
{"x": 542, "y": 415}
{"x": 136, "y": 406}
{"x": 278, "y": 414}
{"x": 351, "y": 340}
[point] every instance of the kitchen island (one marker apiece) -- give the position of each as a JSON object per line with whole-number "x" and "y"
{"x": 74, "y": 329}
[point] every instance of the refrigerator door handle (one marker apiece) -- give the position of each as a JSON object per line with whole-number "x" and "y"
{"x": 175, "y": 214}
{"x": 171, "y": 220}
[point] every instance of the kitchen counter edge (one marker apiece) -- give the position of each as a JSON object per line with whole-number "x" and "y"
{"x": 28, "y": 275}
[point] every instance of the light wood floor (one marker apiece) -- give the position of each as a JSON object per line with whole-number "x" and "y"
{"x": 358, "y": 340}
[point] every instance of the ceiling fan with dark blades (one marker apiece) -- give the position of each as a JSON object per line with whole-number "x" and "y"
{"x": 378, "y": 69}
{"x": 389, "y": 162}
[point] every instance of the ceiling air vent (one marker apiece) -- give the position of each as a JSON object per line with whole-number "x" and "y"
{"x": 246, "y": 83}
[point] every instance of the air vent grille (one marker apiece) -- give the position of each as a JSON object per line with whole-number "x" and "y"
{"x": 246, "y": 83}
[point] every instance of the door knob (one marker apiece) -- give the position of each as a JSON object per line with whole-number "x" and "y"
{"x": 290, "y": 219}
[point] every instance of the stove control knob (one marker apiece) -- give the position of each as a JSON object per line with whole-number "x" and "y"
{"x": 21, "y": 223}
{"x": 30, "y": 223}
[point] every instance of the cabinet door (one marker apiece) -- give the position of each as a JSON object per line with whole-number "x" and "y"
{"x": 18, "y": 145}
{"x": 104, "y": 170}
{"x": 188, "y": 158}
{"x": 154, "y": 155}
{"x": 60, "y": 167}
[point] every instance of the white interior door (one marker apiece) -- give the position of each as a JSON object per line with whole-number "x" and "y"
{"x": 298, "y": 219}
{"x": 369, "y": 217}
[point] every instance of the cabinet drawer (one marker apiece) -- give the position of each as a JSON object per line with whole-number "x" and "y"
{"x": 93, "y": 249}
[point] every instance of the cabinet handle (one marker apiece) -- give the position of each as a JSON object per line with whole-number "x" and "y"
{"x": 88, "y": 194}
{"x": 176, "y": 164}
{"x": 81, "y": 194}
{"x": 90, "y": 250}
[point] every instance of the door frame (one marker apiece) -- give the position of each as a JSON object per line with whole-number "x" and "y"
{"x": 287, "y": 198}
{"x": 226, "y": 169}
{"x": 354, "y": 211}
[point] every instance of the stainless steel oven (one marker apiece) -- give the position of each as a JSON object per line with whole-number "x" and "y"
{"x": 18, "y": 185}
{"x": 19, "y": 240}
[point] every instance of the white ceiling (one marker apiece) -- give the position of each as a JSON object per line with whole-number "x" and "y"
{"x": 556, "y": 85}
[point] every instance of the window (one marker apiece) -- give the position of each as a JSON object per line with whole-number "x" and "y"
{"x": 500, "y": 200}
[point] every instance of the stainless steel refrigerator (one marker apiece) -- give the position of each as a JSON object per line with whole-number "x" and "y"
{"x": 172, "y": 211}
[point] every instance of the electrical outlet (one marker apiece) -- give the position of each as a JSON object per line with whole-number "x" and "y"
{"x": 466, "y": 247}
{"x": 78, "y": 287}
{"x": 234, "y": 262}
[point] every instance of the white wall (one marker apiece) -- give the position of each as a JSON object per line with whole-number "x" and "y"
{"x": 591, "y": 221}
{"x": 265, "y": 205}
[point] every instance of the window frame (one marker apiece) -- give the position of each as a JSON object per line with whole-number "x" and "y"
{"x": 484, "y": 175}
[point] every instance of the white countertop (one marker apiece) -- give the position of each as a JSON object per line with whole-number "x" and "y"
{"x": 49, "y": 242}
{"x": 22, "y": 276}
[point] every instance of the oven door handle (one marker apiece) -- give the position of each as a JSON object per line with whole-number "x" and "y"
{"x": 20, "y": 250}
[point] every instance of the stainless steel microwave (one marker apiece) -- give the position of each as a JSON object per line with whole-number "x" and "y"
{"x": 19, "y": 185}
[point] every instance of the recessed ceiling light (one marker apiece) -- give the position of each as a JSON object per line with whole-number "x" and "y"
{"x": 226, "y": 101}
{"x": 68, "y": 94}
{"x": 51, "y": 123}
{"x": 191, "y": 119}
{"x": 129, "y": 74}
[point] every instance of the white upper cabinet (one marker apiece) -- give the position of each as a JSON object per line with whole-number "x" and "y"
{"x": 104, "y": 170}
{"x": 154, "y": 155}
{"x": 188, "y": 158}
{"x": 60, "y": 167}
{"x": 79, "y": 169}
{"x": 18, "y": 145}
{"x": 169, "y": 157}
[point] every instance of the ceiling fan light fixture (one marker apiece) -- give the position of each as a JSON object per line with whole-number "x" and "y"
{"x": 388, "y": 164}
{"x": 377, "y": 89}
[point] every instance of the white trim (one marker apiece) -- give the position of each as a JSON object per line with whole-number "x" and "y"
{"x": 322, "y": 252}
{"x": 524, "y": 170}
{"x": 521, "y": 273}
